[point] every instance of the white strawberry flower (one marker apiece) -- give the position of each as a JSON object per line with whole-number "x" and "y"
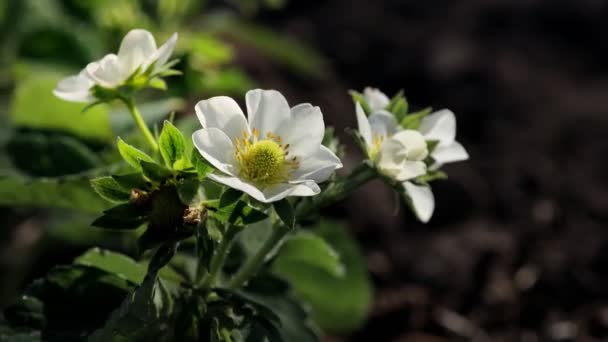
{"x": 375, "y": 99}
{"x": 397, "y": 153}
{"x": 274, "y": 153}
{"x": 137, "y": 54}
{"x": 441, "y": 127}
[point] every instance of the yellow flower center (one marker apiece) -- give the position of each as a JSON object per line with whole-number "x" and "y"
{"x": 377, "y": 141}
{"x": 264, "y": 162}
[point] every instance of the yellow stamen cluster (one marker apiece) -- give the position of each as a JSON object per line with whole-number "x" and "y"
{"x": 377, "y": 141}
{"x": 264, "y": 162}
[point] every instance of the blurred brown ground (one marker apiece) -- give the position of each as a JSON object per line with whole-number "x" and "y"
{"x": 518, "y": 248}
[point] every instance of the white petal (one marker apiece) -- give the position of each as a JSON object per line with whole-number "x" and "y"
{"x": 449, "y": 154}
{"x": 410, "y": 170}
{"x": 318, "y": 167}
{"x": 383, "y": 124}
{"x": 267, "y": 110}
{"x": 136, "y": 48}
{"x": 363, "y": 124}
{"x": 280, "y": 191}
{"x": 161, "y": 56}
{"x": 440, "y": 126}
{"x": 108, "y": 72}
{"x": 376, "y": 99}
{"x": 421, "y": 200}
{"x": 303, "y": 131}
{"x": 239, "y": 184}
{"x": 75, "y": 88}
{"x": 413, "y": 144}
{"x": 223, "y": 113}
{"x": 216, "y": 148}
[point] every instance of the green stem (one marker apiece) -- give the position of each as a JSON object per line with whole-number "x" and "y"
{"x": 253, "y": 264}
{"x": 217, "y": 261}
{"x": 337, "y": 191}
{"x": 141, "y": 124}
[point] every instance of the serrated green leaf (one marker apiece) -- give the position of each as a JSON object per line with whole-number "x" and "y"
{"x": 203, "y": 167}
{"x": 132, "y": 181}
{"x": 172, "y": 144}
{"x": 155, "y": 172}
{"x": 109, "y": 189}
{"x": 413, "y": 120}
{"x": 308, "y": 250}
{"x": 114, "y": 263}
{"x": 132, "y": 155}
{"x": 285, "y": 211}
{"x": 230, "y": 197}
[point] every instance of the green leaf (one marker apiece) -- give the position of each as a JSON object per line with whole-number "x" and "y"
{"x": 431, "y": 176}
{"x": 413, "y": 120}
{"x": 28, "y": 312}
{"x": 238, "y": 213}
{"x": 230, "y": 197}
{"x": 132, "y": 155}
{"x": 114, "y": 263}
{"x": 74, "y": 193}
{"x": 109, "y": 189}
{"x": 187, "y": 189}
{"x": 308, "y": 250}
{"x": 34, "y": 106}
{"x": 338, "y": 304}
{"x": 172, "y": 144}
{"x": 132, "y": 181}
{"x": 285, "y": 211}
{"x": 118, "y": 223}
{"x": 155, "y": 172}
{"x": 203, "y": 168}
{"x": 358, "y": 97}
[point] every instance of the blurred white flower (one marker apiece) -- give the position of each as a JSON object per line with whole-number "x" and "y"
{"x": 396, "y": 153}
{"x": 441, "y": 127}
{"x": 137, "y": 54}
{"x": 375, "y": 99}
{"x": 273, "y": 154}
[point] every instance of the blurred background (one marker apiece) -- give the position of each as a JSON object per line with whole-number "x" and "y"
{"x": 517, "y": 249}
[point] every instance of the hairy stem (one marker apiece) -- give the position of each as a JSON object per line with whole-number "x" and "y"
{"x": 217, "y": 261}
{"x": 253, "y": 264}
{"x": 336, "y": 192}
{"x": 141, "y": 124}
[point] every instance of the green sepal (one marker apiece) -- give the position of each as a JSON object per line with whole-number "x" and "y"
{"x": 398, "y": 106}
{"x": 172, "y": 144}
{"x": 187, "y": 189}
{"x": 155, "y": 172}
{"x": 132, "y": 155}
{"x": 238, "y": 213}
{"x": 413, "y": 120}
{"x": 431, "y": 145}
{"x": 431, "y": 176}
{"x": 358, "y": 97}
{"x": 157, "y": 83}
{"x": 109, "y": 189}
{"x": 285, "y": 211}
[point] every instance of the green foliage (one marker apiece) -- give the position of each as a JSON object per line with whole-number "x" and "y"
{"x": 172, "y": 144}
{"x": 358, "y": 98}
{"x": 307, "y": 250}
{"x": 74, "y": 193}
{"x": 155, "y": 172}
{"x": 123, "y": 216}
{"x": 413, "y": 120}
{"x": 114, "y": 263}
{"x": 108, "y": 188}
{"x": 132, "y": 155}
{"x": 285, "y": 212}
{"x": 35, "y": 106}
{"x": 339, "y": 301}
{"x": 203, "y": 168}
{"x": 398, "y": 106}
{"x": 431, "y": 175}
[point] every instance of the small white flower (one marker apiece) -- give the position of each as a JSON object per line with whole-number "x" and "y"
{"x": 396, "y": 153}
{"x": 439, "y": 126}
{"x": 376, "y": 99}
{"x": 273, "y": 154}
{"x": 137, "y": 53}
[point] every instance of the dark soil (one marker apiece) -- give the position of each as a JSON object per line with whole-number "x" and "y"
{"x": 518, "y": 247}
